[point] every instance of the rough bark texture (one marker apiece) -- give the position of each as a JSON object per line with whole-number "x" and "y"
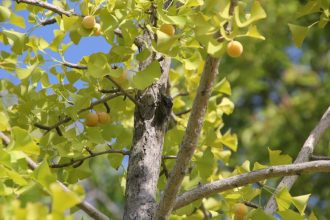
{"x": 190, "y": 139}
{"x": 150, "y": 120}
{"x": 303, "y": 156}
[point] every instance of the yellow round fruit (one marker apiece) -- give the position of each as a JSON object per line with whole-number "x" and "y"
{"x": 240, "y": 210}
{"x": 234, "y": 49}
{"x": 97, "y": 30}
{"x": 92, "y": 119}
{"x": 167, "y": 29}
{"x": 88, "y": 22}
{"x": 103, "y": 117}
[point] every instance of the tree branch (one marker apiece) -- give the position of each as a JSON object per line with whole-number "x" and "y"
{"x": 182, "y": 112}
{"x": 319, "y": 157}
{"x": 48, "y": 6}
{"x": 79, "y": 161}
{"x": 75, "y": 66}
{"x": 84, "y": 205}
{"x": 67, "y": 118}
{"x": 190, "y": 138}
{"x": 248, "y": 178}
{"x": 303, "y": 156}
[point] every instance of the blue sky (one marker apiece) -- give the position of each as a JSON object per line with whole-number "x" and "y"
{"x": 87, "y": 45}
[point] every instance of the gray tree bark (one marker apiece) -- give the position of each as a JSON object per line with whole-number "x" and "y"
{"x": 150, "y": 123}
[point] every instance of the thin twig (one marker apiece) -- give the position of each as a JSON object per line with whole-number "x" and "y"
{"x": 180, "y": 94}
{"x": 75, "y": 66}
{"x": 251, "y": 204}
{"x": 48, "y": 21}
{"x": 319, "y": 157}
{"x": 109, "y": 90}
{"x": 123, "y": 90}
{"x": 48, "y": 6}
{"x": 67, "y": 118}
{"x": 183, "y": 112}
{"x": 91, "y": 155}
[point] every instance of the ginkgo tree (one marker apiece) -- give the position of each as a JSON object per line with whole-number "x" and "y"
{"x": 156, "y": 97}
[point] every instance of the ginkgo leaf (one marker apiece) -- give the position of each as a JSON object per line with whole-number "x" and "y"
{"x": 62, "y": 199}
{"x": 298, "y": 33}
{"x": 283, "y": 199}
{"x": 300, "y": 202}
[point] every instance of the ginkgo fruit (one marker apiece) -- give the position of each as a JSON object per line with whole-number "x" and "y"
{"x": 97, "y": 30}
{"x": 89, "y": 22}
{"x": 240, "y": 211}
{"x": 92, "y": 119}
{"x": 167, "y": 29}
{"x": 103, "y": 117}
{"x": 234, "y": 49}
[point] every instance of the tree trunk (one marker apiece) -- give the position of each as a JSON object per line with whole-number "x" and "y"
{"x": 150, "y": 122}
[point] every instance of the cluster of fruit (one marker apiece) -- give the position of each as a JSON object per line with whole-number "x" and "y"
{"x": 93, "y": 119}
{"x": 89, "y": 22}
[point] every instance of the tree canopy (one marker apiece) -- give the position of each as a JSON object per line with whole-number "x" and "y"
{"x": 164, "y": 109}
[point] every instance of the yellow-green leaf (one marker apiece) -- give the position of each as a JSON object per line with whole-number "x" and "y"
{"x": 62, "y": 199}
{"x": 276, "y": 158}
{"x": 23, "y": 142}
{"x": 253, "y": 32}
{"x": 300, "y": 202}
{"x": 298, "y": 33}
{"x": 4, "y": 13}
{"x": 146, "y": 77}
{"x": 283, "y": 199}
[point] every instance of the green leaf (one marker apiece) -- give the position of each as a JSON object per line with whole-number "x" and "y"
{"x": 145, "y": 78}
{"x": 298, "y": 33}
{"x": 230, "y": 140}
{"x": 254, "y": 33}
{"x": 257, "y": 13}
{"x": 276, "y": 158}
{"x": 23, "y": 73}
{"x": 290, "y": 215}
{"x": 23, "y": 142}
{"x": 259, "y": 214}
{"x": 17, "y": 20}
{"x": 16, "y": 39}
{"x": 4, "y": 13}
{"x": 215, "y": 49}
{"x": 205, "y": 164}
{"x": 62, "y": 199}
{"x": 300, "y": 202}
{"x": 98, "y": 65}
{"x": 115, "y": 160}
{"x": 13, "y": 175}
{"x": 44, "y": 175}
{"x": 5, "y": 158}
{"x": 258, "y": 166}
{"x": 312, "y": 6}
{"x": 4, "y": 122}
{"x": 223, "y": 87}
{"x": 226, "y": 106}
{"x": 166, "y": 44}
{"x": 70, "y": 23}
{"x": 312, "y": 216}
{"x": 283, "y": 199}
